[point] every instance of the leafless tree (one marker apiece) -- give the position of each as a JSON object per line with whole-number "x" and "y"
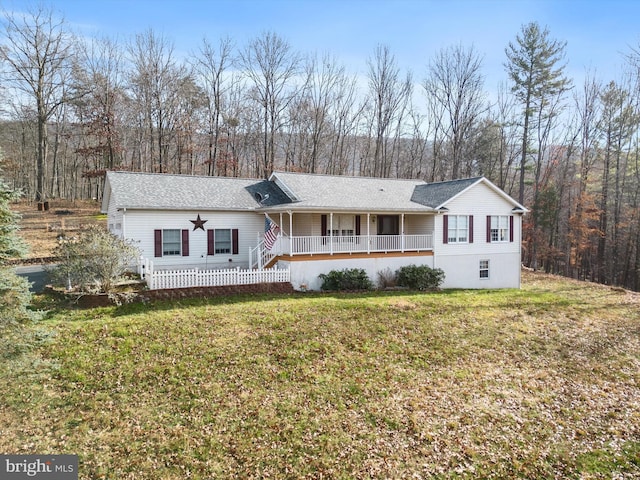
{"x": 153, "y": 85}
{"x": 455, "y": 86}
{"x": 389, "y": 95}
{"x": 212, "y": 69}
{"x": 271, "y": 67}
{"x": 38, "y": 52}
{"x": 619, "y": 123}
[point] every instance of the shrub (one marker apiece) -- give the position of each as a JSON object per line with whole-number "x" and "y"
{"x": 386, "y": 279}
{"x": 347, "y": 279}
{"x": 93, "y": 262}
{"x": 420, "y": 277}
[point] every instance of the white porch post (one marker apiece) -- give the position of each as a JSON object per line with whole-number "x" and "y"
{"x": 368, "y": 233}
{"x": 331, "y": 233}
{"x": 402, "y": 232}
{"x": 291, "y": 252}
{"x": 280, "y": 235}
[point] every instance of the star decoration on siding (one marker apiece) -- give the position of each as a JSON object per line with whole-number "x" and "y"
{"x": 198, "y": 223}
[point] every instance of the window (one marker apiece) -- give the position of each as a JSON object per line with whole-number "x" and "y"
{"x": 343, "y": 225}
{"x": 499, "y": 228}
{"x": 171, "y": 242}
{"x": 458, "y": 229}
{"x": 484, "y": 269}
{"x": 340, "y": 226}
{"x": 222, "y": 241}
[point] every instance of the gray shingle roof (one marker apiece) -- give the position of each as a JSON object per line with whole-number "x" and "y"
{"x": 267, "y": 194}
{"x": 318, "y": 192}
{"x": 435, "y": 195}
{"x": 181, "y": 192}
{"x": 298, "y": 192}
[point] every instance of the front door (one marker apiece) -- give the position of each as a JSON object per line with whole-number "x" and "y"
{"x": 388, "y": 225}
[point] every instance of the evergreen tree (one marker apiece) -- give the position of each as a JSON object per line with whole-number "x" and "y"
{"x": 536, "y": 70}
{"x": 15, "y": 296}
{"x": 11, "y": 246}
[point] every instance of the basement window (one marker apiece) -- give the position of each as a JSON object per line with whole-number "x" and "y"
{"x": 484, "y": 269}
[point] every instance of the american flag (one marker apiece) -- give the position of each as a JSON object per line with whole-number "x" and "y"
{"x": 271, "y": 231}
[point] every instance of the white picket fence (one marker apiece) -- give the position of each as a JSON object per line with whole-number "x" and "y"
{"x": 195, "y": 277}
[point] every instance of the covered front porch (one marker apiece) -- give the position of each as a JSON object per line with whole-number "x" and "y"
{"x": 332, "y": 233}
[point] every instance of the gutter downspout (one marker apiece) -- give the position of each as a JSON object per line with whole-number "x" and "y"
{"x": 124, "y": 224}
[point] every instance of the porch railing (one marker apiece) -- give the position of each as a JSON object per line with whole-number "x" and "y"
{"x": 356, "y": 244}
{"x": 312, "y": 245}
{"x": 260, "y": 256}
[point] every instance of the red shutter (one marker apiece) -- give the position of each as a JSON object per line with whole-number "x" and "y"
{"x": 157, "y": 243}
{"x": 445, "y": 229}
{"x": 511, "y": 228}
{"x": 470, "y": 228}
{"x": 488, "y": 228}
{"x": 357, "y": 224}
{"x": 323, "y": 225}
{"x": 185, "y": 243}
{"x": 210, "y": 242}
{"x": 234, "y": 241}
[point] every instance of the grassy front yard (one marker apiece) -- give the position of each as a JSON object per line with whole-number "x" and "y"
{"x": 538, "y": 383}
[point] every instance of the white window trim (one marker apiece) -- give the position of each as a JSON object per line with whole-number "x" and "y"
{"x": 498, "y": 227}
{"x": 484, "y": 269}
{"x": 216, "y": 239}
{"x": 455, "y": 218}
{"x": 165, "y": 253}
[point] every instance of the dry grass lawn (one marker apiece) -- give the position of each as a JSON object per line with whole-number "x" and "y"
{"x": 542, "y": 382}
{"x": 41, "y": 229}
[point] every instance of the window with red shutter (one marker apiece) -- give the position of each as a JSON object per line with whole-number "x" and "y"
{"x": 185, "y": 243}
{"x": 210, "y": 242}
{"x": 235, "y": 248}
{"x": 157, "y": 243}
{"x": 445, "y": 229}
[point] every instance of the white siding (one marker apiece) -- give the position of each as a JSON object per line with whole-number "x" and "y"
{"x": 140, "y": 226}
{"x": 463, "y": 271}
{"x": 114, "y": 218}
{"x": 460, "y": 261}
{"x": 305, "y": 224}
{"x": 418, "y": 224}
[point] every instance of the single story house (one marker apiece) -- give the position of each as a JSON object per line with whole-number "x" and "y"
{"x": 312, "y": 224}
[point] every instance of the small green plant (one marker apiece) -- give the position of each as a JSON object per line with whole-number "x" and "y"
{"x": 420, "y": 277}
{"x": 347, "y": 279}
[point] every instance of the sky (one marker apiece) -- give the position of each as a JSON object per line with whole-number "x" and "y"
{"x": 598, "y": 33}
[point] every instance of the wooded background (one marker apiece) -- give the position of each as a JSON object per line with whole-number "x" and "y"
{"x": 72, "y": 108}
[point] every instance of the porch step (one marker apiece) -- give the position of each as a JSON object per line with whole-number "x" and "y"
{"x": 272, "y": 262}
